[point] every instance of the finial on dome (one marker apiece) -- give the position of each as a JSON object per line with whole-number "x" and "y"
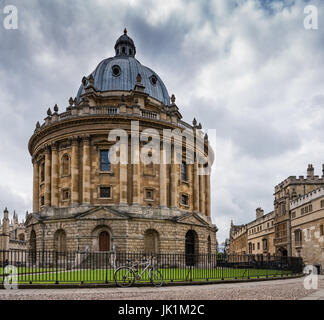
{"x": 125, "y": 31}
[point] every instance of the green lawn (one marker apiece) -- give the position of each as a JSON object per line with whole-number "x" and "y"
{"x": 48, "y": 276}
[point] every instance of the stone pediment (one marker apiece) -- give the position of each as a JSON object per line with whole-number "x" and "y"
{"x": 193, "y": 218}
{"x": 32, "y": 218}
{"x": 101, "y": 213}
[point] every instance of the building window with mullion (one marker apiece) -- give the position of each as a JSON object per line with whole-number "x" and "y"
{"x": 184, "y": 172}
{"x": 104, "y": 160}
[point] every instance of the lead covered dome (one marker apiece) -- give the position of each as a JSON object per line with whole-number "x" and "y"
{"x": 119, "y": 73}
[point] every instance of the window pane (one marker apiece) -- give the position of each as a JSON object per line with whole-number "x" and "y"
{"x": 184, "y": 171}
{"x": 104, "y": 160}
{"x": 105, "y": 192}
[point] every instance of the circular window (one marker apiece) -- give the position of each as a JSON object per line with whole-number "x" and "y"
{"x": 116, "y": 71}
{"x": 153, "y": 80}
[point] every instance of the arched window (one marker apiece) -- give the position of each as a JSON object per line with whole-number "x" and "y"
{"x": 151, "y": 242}
{"x": 65, "y": 165}
{"x": 264, "y": 244}
{"x": 298, "y": 237}
{"x": 60, "y": 241}
{"x": 184, "y": 172}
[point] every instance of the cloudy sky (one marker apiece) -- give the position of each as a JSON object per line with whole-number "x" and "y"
{"x": 247, "y": 68}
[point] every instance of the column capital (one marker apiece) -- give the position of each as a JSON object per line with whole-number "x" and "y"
{"x": 34, "y": 160}
{"x": 86, "y": 139}
{"x": 74, "y": 140}
{"x": 47, "y": 149}
{"x": 54, "y": 146}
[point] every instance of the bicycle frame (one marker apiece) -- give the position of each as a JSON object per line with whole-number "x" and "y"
{"x": 141, "y": 274}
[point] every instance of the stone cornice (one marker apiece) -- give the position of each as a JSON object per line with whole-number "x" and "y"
{"x": 52, "y": 128}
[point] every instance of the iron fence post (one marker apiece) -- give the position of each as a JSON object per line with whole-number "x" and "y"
{"x": 56, "y": 268}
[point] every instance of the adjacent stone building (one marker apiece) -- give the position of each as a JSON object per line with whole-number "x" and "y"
{"x": 12, "y": 233}
{"x": 84, "y": 200}
{"x": 307, "y": 227}
{"x": 294, "y": 228}
{"x": 256, "y": 237}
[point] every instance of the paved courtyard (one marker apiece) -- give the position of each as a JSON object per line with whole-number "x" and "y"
{"x": 291, "y": 289}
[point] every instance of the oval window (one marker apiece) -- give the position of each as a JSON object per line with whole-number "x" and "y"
{"x": 153, "y": 80}
{"x": 116, "y": 71}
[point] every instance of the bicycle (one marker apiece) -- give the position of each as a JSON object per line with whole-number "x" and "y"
{"x": 126, "y": 276}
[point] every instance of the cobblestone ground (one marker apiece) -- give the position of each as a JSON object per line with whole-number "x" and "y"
{"x": 290, "y": 289}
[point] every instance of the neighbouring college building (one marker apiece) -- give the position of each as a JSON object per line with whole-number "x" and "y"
{"x": 84, "y": 201}
{"x": 294, "y": 228}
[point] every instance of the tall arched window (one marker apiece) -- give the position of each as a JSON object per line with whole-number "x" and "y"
{"x": 65, "y": 165}
{"x": 151, "y": 242}
{"x": 298, "y": 237}
{"x": 60, "y": 241}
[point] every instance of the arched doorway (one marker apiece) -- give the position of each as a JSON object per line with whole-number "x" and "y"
{"x": 60, "y": 241}
{"x": 283, "y": 252}
{"x": 209, "y": 245}
{"x": 191, "y": 247}
{"x": 33, "y": 247}
{"x": 151, "y": 242}
{"x": 104, "y": 241}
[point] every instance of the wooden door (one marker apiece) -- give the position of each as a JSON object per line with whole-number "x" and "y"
{"x": 104, "y": 241}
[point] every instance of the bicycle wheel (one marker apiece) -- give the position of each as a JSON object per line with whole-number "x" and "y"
{"x": 156, "y": 277}
{"x": 124, "y": 277}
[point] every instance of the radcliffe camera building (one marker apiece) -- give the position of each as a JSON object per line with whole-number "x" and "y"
{"x": 81, "y": 200}
{"x": 294, "y": 228}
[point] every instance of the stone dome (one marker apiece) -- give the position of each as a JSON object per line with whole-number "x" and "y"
{"x": 119, "y": 73}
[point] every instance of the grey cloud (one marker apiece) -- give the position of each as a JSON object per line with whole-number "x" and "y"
{"x": 60, "y": 41}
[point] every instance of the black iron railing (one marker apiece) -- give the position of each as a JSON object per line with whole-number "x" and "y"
{"x": 50, "y": 267}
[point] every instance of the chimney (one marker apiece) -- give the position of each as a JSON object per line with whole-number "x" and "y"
{"x": 310, "y": 171}
{"x": 322, "y": 170}
{"x": 259, "y": 213}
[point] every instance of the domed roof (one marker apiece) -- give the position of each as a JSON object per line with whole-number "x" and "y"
{"x": 120, "y": 72}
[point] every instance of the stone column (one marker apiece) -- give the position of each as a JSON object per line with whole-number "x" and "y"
{"x": 36, "y": 186}
{"x": 75, "y": 172}
{"x": 208, "y": 199}
{"x": 136, "y": 177}
{"x": 54, "y": 176}
{"x": 86, "y": 171}
{"x": 163, "y": 178}
{"x": 202, "y": 192}
{"x": 174, "y": 180}
{"x": 48, "y": 167}
{"x": 122, "y": 184}
{"x": 195, "y": 187}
